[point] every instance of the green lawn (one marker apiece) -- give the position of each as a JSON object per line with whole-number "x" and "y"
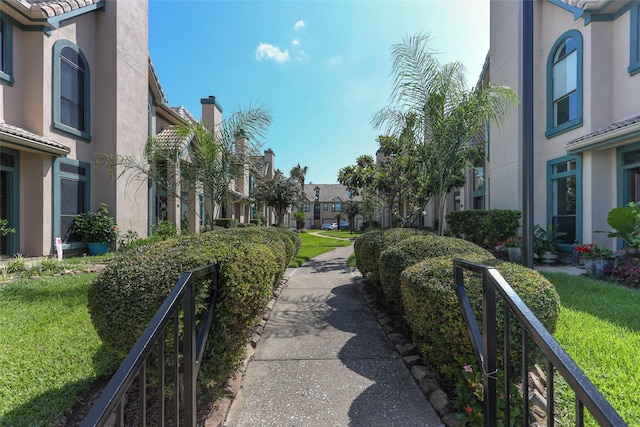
{"x": 49, "y": 350}
{"x": 316, "y": 245}
{"x": 344, "y": 234}
{"x": 599, "y": 327}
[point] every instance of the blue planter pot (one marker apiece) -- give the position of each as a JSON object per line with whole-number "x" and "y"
{"x": 97, "y": 248}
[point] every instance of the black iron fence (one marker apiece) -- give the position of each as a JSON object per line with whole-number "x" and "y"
{"x": 176, "y": 320}
{"x": 485, "y": 344}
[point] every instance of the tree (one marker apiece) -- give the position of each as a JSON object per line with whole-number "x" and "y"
{"x": 214, "y": 157}
{"x": 299, "y": 172}
{"x": 280, "y": 193}
{"x": 445, "y": 117}
{"x": 351, "y": 209}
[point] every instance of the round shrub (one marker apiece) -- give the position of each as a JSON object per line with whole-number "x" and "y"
{"x": 435, "y": 316}
{"x": 127, "y": 294}
{"x": 369, "y": 245}
{"x": 412, "y": 250}
{"x": 280, "y": 246}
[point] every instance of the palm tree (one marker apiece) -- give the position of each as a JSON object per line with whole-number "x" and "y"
{"x": 299, "y": 172}
{"x": 446, "y": 117}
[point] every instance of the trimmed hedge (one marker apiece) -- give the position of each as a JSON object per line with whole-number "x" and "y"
{"x": 127, "y": 294}
{"x": 484, "y": 227}
{"x": 369, "y": 245}
{"x": 412, "y": 250}
{"x": 226, "y": 222}
{"x": 435, "y": 316}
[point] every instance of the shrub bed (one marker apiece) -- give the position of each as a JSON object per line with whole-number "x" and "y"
{"x": 435, "y": 317}
{"x": 124, "y": 298}
{"x": 412, "y": 250}
{"x": 369, "y": 245}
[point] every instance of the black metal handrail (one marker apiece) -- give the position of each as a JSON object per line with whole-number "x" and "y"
{"x": 183, "y": 295}
{"x": 485, "y": 346}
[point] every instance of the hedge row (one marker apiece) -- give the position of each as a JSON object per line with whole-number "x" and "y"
{"x": 124, "y": 298}
{"x": 368, "y": 247}
{"x": 414, "y": 277}
{"x": 484, "y": 227}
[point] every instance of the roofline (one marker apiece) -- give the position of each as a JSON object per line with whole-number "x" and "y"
{"x": 610, "y": 139}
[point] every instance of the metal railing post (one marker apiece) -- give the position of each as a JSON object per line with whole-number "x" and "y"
{"x": 490, "y": 347}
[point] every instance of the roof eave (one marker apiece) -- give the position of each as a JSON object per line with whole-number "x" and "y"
{"x": 611, "y": 139}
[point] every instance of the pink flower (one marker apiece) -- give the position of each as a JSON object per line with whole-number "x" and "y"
{"x": 468, "y": 368}
{"x": 468, "y": 409}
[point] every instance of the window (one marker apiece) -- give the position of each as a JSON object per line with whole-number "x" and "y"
{"x": 337, "y": 207}
{"x": 478, "y": 186}
{"x": 307, "y": 207}
{"x": 6, "y": 51}
{"x": 71, "y": 195}
{"x": 634, "y": 59}
{"x": 317, "y": 193}
{"x": 563, "y": 197}
{"x": 70, "y": 90}
{"x": 629, "y": 168}
{"x": 564, "y": 84}
{"x": 325, "y": 206}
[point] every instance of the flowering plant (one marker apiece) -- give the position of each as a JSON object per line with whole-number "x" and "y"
{"x": 512, "y": 242}
{"x": 593, "y": 250}
{"x": 469, "y": 398}
{"x": 96, "y": 227}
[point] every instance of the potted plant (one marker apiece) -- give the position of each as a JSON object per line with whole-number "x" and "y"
{"x": 545, "y": 242}
{"x": 597, "y": 259}
{"x": 514, "y": 249}
{"x": 97, "y": 229}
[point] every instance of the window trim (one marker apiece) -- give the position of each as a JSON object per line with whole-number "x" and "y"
{"x": 565, "y": 247}
{"x": 56, "y": 110}
{"x": 577, "y": 122}
{"x": 57, "y": 203}
{"x": 6, "y": 74}
{"x": 634, "y": 49}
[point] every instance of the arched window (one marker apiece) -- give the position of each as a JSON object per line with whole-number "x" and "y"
{"x": 70, "y": 90}
{"x": 564, "y": 84}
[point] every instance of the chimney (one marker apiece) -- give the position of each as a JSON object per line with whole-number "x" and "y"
{"x": 211, "y": 113}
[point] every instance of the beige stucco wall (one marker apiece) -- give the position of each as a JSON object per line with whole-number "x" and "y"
{"x": 610, "y": 94}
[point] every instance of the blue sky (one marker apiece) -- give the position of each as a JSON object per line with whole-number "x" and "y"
{"x": 321, "y": 68}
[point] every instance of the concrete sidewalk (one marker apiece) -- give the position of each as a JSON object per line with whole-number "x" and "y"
{"x": 323, "y": 360}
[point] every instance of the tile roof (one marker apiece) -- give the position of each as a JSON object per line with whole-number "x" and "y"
{"x": 184, "y": 113}
{"x": 22, "y": 136}
{"x": 603, "y": 131}
{"x": 172, "y": 135}
{"x": 52, "y": 8}
{"x": 328, "y": 192}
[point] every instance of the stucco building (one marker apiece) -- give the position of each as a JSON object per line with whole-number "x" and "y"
{"x": 76, "y": 82}
{"x": 586, "y": 105}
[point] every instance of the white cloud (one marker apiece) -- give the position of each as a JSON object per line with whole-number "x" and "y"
{"x": 295, "y": 42}
{"x": 268, "y": 51}
{"x": 298, "y": 25}
{"x": 335, "y": 61}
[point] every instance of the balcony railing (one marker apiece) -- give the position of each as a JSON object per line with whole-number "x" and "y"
{"x": 485, "y": 344}
{"x": 184, "y": 360}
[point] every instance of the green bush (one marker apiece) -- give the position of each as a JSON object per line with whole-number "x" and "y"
{"x": 484, "y": 228}
{"x": 412, "y": 250}
{"x": 164, "y": 230}
{"x": 281, "y": 246}
{"x": 124, "y": 298}
{"x": 435, "y": 317}
{"x": 369, "y": 245}
{"x": 226, "y": 222}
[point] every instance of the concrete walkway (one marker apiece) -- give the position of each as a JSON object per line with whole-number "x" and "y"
{"x": 323, "y": 359}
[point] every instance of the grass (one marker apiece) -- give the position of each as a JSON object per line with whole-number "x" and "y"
{"x": 313, "y": 245}
{"x": 599, "y": 327}
{"x": 344, "y": 234}
{"x": 49, "y": 350}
